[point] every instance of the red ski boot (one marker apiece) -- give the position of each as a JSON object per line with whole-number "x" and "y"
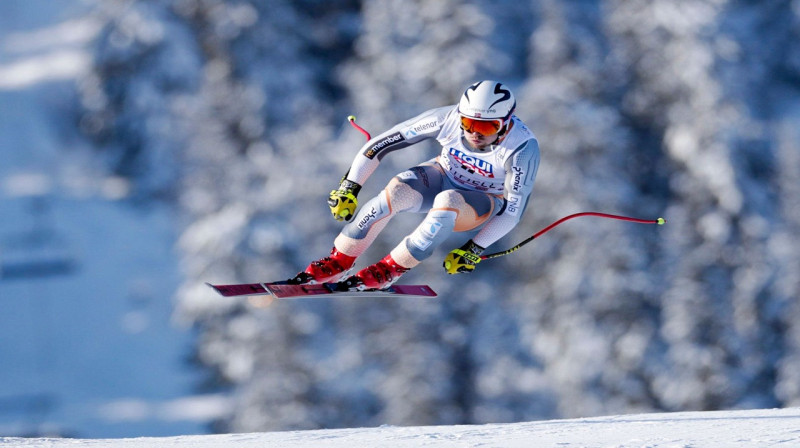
{"x": 327, "y": 270}
{"x": 380, "y": 275}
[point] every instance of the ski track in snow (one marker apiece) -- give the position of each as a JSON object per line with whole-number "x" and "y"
{"x": 720, "y": 429}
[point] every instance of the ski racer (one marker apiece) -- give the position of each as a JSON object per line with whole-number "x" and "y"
{"x": 481, "y": 181}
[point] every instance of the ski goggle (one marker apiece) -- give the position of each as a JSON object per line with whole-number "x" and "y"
{"x": 483, "y": 127}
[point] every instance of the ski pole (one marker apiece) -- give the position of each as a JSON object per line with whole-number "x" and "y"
{"x": 659, "y": 221}
{"x": 352, "y": 120}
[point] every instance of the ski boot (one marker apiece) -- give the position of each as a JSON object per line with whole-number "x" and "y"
{"x": 380, "y": 275}
{"x": 330, "y": 269}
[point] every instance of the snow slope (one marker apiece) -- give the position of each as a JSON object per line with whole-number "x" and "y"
{"x": 752, "y": 428}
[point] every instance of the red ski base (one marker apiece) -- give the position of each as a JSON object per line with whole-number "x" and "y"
{"x": 283, "y": 290}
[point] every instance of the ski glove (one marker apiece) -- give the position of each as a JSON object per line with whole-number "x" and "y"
{"x": 463, "y": 259}
{"x": 343, "y": 201}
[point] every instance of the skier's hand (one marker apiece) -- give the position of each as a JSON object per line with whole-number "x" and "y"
{"x": 463, "y": 259}
{"x": 343, "y": 201}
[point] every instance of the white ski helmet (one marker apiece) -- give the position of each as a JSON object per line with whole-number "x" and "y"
{"x": 487, "y": 100}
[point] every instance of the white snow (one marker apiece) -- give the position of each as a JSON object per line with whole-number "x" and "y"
{"x": 720, "y": 429}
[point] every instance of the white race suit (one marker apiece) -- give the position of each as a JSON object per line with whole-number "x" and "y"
{"x": 462, "y": 189}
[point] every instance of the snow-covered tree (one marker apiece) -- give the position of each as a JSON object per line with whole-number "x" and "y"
{"x": 235, "y": 111}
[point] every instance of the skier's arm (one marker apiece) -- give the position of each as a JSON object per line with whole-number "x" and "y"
{"x": 521, "y": 171}
{"x": 422, "y": 127}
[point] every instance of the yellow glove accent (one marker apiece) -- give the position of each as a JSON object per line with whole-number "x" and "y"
{"x": 343, "y": 201}
{"x": 343, "y": 205}
{"x": 460, "y": 261}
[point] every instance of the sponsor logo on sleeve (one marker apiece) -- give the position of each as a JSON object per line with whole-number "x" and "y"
{"x": 516, "y": 186}
{"x": 414, "y": 130}
{"x": 382, "y": 144}
{"x": 513, "y": 204}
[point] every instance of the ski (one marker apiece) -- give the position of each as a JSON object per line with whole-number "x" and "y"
{"x": 284, "y": 290}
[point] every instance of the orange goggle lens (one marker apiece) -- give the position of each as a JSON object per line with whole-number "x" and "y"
{"x": 483, "y": 127}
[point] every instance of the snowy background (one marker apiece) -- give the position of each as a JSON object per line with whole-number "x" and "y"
{"x": 88, "y": 343}
{"x": 150, "y": 146}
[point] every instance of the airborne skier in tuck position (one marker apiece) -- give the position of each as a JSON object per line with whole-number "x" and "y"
{"x": 481, "y": 181}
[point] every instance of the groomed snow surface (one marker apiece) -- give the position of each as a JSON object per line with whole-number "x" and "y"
{"x": 751, "y": 428}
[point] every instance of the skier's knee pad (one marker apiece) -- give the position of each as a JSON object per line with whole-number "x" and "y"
{"x": 402, "y": 197}
{"x": 467, "y": 217}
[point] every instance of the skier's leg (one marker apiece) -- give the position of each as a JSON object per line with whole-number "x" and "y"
{"x": 452, "y": 210}
{"x": 408, "y": 191}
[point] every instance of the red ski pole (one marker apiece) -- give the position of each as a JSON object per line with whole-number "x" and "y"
{"x": 659, "y": 221}
{"x": 352, "y": 120}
